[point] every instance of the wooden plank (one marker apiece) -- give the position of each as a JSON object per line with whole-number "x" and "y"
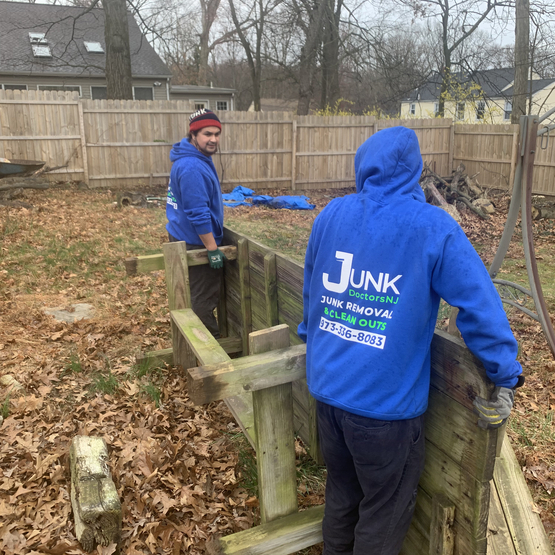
{"x": 231, "y": 345}
{"x": 282, "y": 536}
{"x": 524, "y": 524}
{"x": 152, "y": 262}
{"x": 270, "y": 289}
{"x": 443, "y": 476}
{"x": 442, "y": 540}
{"x": 273, "y": 423}
{"x": 208, "y": 351}
{"x": 453, "y": 429}
{"x": 215, "y": 381}
{"x": 499, "y": 538}
{"x": 244, "y": 285}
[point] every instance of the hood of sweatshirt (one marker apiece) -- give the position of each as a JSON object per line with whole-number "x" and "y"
{"x": 389, "y": 164}
{"x": 184, "y": 149}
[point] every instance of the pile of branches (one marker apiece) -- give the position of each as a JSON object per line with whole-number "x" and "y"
{"x": 459, "y": 188}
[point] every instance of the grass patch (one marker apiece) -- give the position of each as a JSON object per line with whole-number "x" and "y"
{"x": 5, "y": 408}
{"x": 104, "y": 383}
{"x": 74, "y": 366}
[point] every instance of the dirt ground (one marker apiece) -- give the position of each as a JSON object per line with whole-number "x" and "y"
{"x": 183, "y": 473}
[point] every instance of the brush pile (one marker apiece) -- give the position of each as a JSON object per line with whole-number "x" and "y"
{"x": 459, "y": 188}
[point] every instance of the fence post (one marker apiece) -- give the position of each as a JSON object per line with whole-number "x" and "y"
{"x": 451, "y": 146}
{"x": 293, "y": 154}
{"x": 514, "y": 157}
{"x": 83, "y": 142}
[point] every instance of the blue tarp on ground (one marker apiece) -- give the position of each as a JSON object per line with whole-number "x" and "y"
{"x": 240, "y": 195}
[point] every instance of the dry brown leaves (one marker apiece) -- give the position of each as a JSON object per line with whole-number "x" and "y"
{"x": 175, "y": 466}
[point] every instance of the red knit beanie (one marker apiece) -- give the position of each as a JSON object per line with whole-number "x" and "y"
{"x": 203, "y": 118}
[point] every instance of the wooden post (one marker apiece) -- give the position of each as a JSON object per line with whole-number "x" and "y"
{"x": 270, "y": 290}
{"x": 245, "y": 291}
{"x": 83, "y": 142}
{"x": 514, "y": 158}
{"x": 293, "y": 154}
{"x": 275, "y": 434}
{"x": 442, "y": 538}
{"x": 451, "y": 146}
{"x": 179, "y": 297}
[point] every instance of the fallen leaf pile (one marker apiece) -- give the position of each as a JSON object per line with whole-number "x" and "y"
{"x": 177, "y": 467}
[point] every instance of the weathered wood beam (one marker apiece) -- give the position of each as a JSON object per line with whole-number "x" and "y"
{"x": 282, "y": 536}
{"x": 94, "y": 498}
{"x": 149, "y": 263}
{"x": 275, "y": 434}
{"x": 525, "y": 525}
{"x": 442, "y": 539}
{"x": 231, "y": 345}
{"x": 245, "y": 291}
{"x": 251, "y": 373}
{"x": 208, "y": 351}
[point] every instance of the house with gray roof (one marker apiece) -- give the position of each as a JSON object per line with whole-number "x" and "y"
{"x": 213, "y": 98}
{"x": 482, "y": 96}
{"x": 53, "y": 47}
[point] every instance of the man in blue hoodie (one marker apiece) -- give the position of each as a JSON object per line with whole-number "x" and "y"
{"x": 377, "y": 264}
{"x": 195, "y": 210}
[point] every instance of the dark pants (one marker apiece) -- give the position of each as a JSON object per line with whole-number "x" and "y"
{"x": 205, "y": 284}
{"x": 373, "y": 471}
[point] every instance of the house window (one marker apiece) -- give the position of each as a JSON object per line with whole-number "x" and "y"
{"x": 221, "y": 105}
{"x": 14, "y": 87}
{"x": 480, "y": 109}
{"x": 412, "y": 109}
{"x": 39, "y": 44}
{"x": 63, "y": 88}
{"x": 200, "y": 104}
{"x": 436, "y": 109}
{"x": 508, "y": 110}
{"x": 93, "y": 47}
{"x": 99, "y": 93}
{"x": 143, "y": 93}
{"x": 460, "y": 110}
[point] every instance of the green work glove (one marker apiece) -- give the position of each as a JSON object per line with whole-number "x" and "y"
{"x": 494, "y": 412}
{"x": 216, "y": 259}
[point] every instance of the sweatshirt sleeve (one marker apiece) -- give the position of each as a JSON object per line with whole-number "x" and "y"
{"x": 195, "y": 197}
{"x": 461, "y": 278}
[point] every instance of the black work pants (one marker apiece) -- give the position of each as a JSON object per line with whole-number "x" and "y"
{"x": 205, "y": 284}
{"x": 373, "y": 471}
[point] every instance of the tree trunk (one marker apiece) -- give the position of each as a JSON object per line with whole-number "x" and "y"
{"x": 522, "y": 46}
{"x": 309, "y": 52}
{"x": 330, "y": 53}
{"x": 118, "y": 56}
{"x": 209, "y": 10}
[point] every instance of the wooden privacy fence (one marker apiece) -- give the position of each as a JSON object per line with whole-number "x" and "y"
{"x": 126, "y": 144}
{"x": 266, "y": 392}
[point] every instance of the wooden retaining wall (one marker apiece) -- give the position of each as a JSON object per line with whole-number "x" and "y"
{"x": 460, "y": 456}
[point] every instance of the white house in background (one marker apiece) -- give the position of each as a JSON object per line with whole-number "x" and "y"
{"x": 483, "y": 96}
{"x": 52, "y": 47}
{"x": 213, "y": 98}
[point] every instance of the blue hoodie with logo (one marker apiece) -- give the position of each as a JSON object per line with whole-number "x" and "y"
{"x": 377, "y": 264}
{"x": 194, "y": 205}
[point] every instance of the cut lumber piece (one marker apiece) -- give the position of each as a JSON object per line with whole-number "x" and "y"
{"x": 442, "y": 539}
{"x": 525, "y": 526}
{"x": 251, "y": 373}
{"x": 231, "y": 345}
{"x": 149, "y": 263}
{"x": 282, "y": 536}
{"x": 499, "y": 538}
{"x": 275, "y": 435}
{"x": 94, "y": 498}
{"x": 207, "y": 350}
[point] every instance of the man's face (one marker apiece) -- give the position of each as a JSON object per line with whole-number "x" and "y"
{"x": 207, "y": 139}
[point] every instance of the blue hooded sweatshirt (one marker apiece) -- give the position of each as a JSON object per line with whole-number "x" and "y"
{"x": 377, "y": 264}
{"x": 194, "y": 205}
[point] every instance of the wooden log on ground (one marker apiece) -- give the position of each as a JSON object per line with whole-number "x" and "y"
{"x": 152, "y": 262}
{"x": 94, "y": 498}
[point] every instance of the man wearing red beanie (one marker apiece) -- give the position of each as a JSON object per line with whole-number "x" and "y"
{"x": 195, "y": 210}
